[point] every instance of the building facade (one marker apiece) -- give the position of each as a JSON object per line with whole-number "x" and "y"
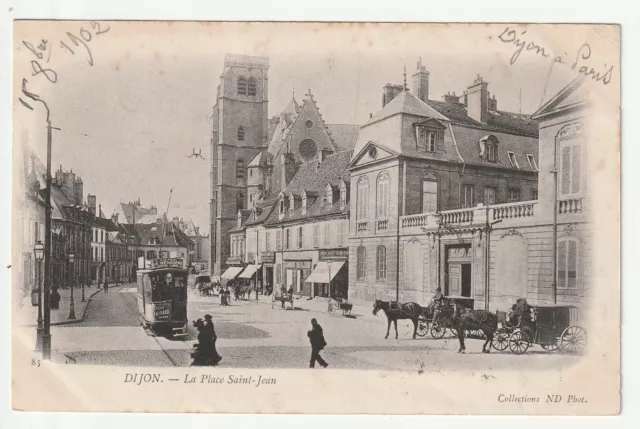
{"x": 417, "y": 161}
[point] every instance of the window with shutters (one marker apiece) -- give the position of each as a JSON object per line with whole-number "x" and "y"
{"x": 340, "y": 233}
{"x": 279, "y": 240}
{"x": 267, "y": 240}
{"x": 316, "y": 232}
{"x": 570, "y": 168}
{"x": 568, "y": 254}
{"x": 288, "y": 238}
{"x": 381, "y": 259}
{"x": 382, "y": 196}
{"x": 361, "y": 264}
{"x": 299, "y": 237}
{"x": 363, "y": 198}
{"x": 429, "y": 196}
{"x": 489, "y": 195}
{"x": 327, "y": 233}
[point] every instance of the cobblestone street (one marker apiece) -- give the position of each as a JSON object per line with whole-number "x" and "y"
{"x": 259, "y": 335}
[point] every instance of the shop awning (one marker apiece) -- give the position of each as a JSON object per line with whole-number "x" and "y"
{"x": 231, "y": 273}
{"x": 249, "y": 271}
{"x": 324, "y": 272}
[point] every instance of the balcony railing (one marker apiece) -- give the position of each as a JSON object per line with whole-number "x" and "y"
{"x": 362, "y": 226}
{"x": 382, "y": 224}
{"x": 414, "y": 220}
{"x": 570, "y": 206}
{"x": 457, "y": 216}
{"x": 513, "y": 210}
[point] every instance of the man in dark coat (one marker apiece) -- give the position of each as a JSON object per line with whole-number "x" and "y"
{"x": 316, "y": 338}
{"x": 54, "y": 299}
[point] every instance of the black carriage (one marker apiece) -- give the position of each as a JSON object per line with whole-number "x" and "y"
{"x": 551, "y": 326}
{"x": 442, "y": 315}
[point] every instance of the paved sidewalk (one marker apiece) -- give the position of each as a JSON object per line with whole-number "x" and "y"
{"x": 27, "y": 314}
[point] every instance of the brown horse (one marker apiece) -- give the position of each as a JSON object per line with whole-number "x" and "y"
{"x": 395, "y": 311}
{"x": 464, "y": 319}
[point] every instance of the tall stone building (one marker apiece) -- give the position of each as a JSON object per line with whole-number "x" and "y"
{"x": 240, "y": 132}
{"x": 255, "y": 157}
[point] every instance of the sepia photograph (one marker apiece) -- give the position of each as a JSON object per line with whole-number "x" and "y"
{"x": 371, "y": 211}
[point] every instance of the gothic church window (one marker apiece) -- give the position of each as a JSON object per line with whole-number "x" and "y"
{"x": 240, "y": 134}
{"x": 242, "y": 86}
{"x": 252, "y": 87}
{"x": 240, "y": 169}
{"x": 240, "y": 201}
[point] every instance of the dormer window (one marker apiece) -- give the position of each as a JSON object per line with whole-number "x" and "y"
{"x": 343, "y": 195}
{"x": 513, "y": 160}
{"x": 427, "y": 139}
{"x": 292, "y": 203}
{"x": 489, "y": 148}
{"x": 328, "y": 198}
{"x": 304, "y": 203}
{"x": 532, "y": 162}
{"x": 282, "y": 206}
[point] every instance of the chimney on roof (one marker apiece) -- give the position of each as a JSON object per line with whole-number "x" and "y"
{"x": 493, "y": 103}
{"x": 451, "y": 98}
{"x": 99, "y": 214}
{"x": 389, "y": 92}
{"x": 91, "y": 202}
{"x": 421, "y": 82}
{"x": 114, "y": 218}
{"x": 478, "y": 101}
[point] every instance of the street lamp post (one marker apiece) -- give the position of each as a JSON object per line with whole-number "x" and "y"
{"x": 83, "y": 282}
{"x": 46, "y": 335}
{"x": 39, "y": 254}
{"x": 72, "y": 308}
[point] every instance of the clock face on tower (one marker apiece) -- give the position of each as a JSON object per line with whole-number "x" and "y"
{"x": 308, "y": 149}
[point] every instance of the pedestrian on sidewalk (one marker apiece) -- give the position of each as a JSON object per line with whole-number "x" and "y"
{"x": 54, "y": 299}
{"x": 211, "y": 332}
{"x": 106, "y": 286}
{"x": 318, "y": 343}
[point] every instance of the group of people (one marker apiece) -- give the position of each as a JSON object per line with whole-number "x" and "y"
{"x": 287, "y": 295}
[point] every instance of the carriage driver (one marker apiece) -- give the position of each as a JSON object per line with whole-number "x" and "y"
{"x": 437, "y": 299}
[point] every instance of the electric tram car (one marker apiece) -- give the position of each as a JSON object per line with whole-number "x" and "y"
{"x": 162, "y": 297}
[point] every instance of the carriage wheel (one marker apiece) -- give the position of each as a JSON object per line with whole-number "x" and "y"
{"x": 500, "y": 340}
{"x": 423, "y": 327}
{"x": 437, "y": 330}
{"x": 519, "y": 342}
{"x": 573, "y": 339}
{"x": 550, "y": 347}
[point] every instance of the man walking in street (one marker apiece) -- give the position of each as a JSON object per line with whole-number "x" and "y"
{"x": 106, "y": 286}
{"x": 316, "y": 338}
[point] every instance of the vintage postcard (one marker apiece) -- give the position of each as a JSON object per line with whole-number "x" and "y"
{"x": 228, "y": 217}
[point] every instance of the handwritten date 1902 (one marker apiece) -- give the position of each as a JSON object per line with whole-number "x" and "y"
{"x": 71, "y": 44}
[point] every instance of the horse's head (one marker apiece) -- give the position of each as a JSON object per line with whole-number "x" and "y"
{"x": 379, "y": 305}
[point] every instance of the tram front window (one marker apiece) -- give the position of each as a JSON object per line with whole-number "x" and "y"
{"x": 162, "y": 287}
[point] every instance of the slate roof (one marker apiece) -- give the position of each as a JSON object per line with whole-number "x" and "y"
{"x": 259, "y": 216}
{"x": 105, "y": 223}
{"x": 500, "y": 121}
{"x": 344, "y": 135}
{"x": 127, "y": 210}
{"x": 408, "y": 104}
{"x": 245, "y": 214}
{"x": 172, "y": 235}
{"x": 314, "y": 178}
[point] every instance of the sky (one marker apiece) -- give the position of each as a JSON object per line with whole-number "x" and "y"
{"x": 129, "y": 120}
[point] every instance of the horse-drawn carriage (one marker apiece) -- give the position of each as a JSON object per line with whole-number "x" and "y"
{"x": 280, "y": 299}
{"x": 552, "y": 326}
{"x": 337, "y": 303}
{"x": 440, "y": 316}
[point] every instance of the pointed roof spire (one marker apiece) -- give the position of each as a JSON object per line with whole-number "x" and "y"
{"x": 405, "y": 77}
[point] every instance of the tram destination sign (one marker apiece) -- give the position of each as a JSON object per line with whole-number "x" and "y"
{"x": 167, "y": 263}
